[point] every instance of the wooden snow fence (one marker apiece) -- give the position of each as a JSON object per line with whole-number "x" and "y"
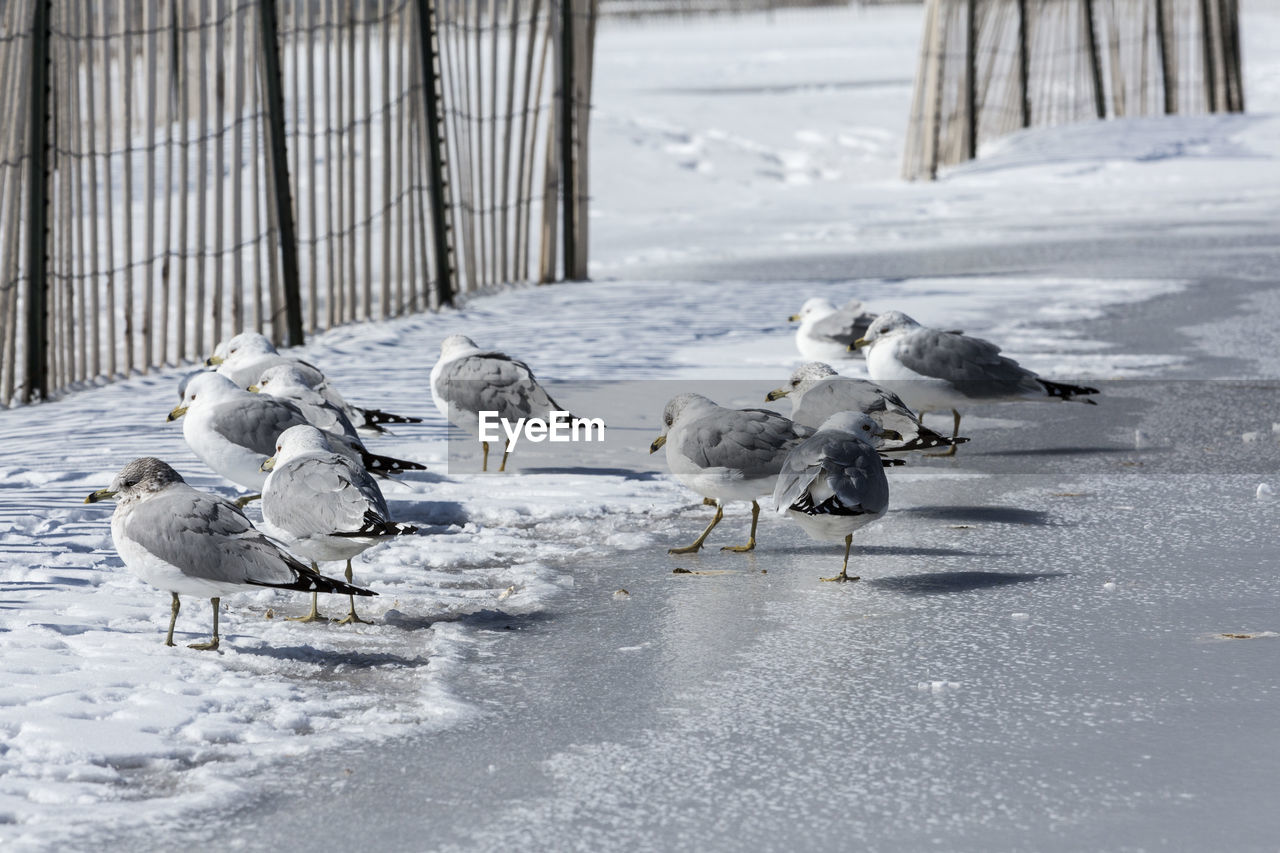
{"x": 175, "y": 171}
{"x": 989, "y": 67}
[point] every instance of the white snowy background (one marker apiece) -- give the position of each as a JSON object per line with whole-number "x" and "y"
{"x": 717, "y": 144}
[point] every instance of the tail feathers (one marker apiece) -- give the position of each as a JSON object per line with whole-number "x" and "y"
{"x": 373, "y": 417}
{"x": 309, "y": 580}
{"x": 375, "y": 526}
{"x": 387, "y": 465}
{"x": 1068, "y": 392}
{"x": 889, "y": 463}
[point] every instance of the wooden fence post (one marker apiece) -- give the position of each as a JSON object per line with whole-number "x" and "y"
{"x": 1024, "y": 63}
{"x": 278, "y": 153}
{"x": 437, "y": 183}
{"x": 1095, "y": 60}
{"x": 1168, "y": 77}
{"x": 1209, "y": 34}
{"x": 567, "y": 123}
{"x": 37, "y": 353}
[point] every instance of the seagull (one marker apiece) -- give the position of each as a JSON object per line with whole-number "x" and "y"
{"x": 817, "y": 392}
{"x": 935, "y": 370}
{"x": 467, "y": 380}
{"x": 725, "y": 455}
{"x": 826, "y": 331}
{"x": 243, "y": 358}
{"x": 189, "y": 542}
{"x": 287, "y": 382}
{"x": 833, "y": 482}
{"x": 328, "y": 507}
{"x": 233, "y": 431}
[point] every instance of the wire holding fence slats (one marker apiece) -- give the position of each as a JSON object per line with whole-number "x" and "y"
{"x": 415, "y": 139}
{"x": 1049, "y": 62}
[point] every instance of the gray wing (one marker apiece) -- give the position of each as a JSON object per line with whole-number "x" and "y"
{"x": 255, "y": 421}
{"x": 493, "y": 382}
{"x": 321, "y": 494}
{"x": 846, "y": 394}
{"x": 209, "y": 538}
{"x": 750, "y": 440}
{"x": 973, "y": 365}
{"x": 852, "y": 469}
{"x": 842, "y": 327}
{"x": 320, "y": 413}
{"x": 841, "y": 394}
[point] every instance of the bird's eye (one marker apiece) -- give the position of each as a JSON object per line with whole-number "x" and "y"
{"x": 795, "y": 383}
{"x": 866, "y": 427}
{"x": 667, "y": 420}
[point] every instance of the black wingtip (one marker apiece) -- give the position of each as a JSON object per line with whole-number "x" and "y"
{"x": 1066, "y": 391}
{"x": 373, "y": 417}
{"x": 388, "y": 465}
{"x": 375, "y": 526}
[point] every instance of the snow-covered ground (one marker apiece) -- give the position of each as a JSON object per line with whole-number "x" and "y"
{"x": 1031, "y": 657}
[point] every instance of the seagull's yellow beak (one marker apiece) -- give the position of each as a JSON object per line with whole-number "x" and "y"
{"x": 177, "y": 413}
{"x": 891, "y": 434}
{"x": 657, "y": 443}
{"x": 213, "y": 361}
{"x": 267, "y": 464}
{"x": 776, "y": 394}
{"x": 100, "y": 495}
{"x": 794, "y": 318}
{"x": 858, "y": 344}
{"x": 254, "y": 388}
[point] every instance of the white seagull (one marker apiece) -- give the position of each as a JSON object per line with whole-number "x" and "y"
{"x": 467, "y": 380}
{"x": 817, "y": 392}
{"x": 327, "y": 507}
{"x": 725, "y": 455}
{"x": 189, "y": 542}
{"x": 233, "y": 431}
{"x": 826, "y": 331}
{"x": 245, "y": 356}
{"x": 833, "y": 482}
{"x": 935, "y": 370}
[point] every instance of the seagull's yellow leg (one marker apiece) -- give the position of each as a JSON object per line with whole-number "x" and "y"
{"x": 212, "y": 644}
{"x": 315, "y": 601}
{"x": 484, "y": 464}
{"x": 955, "y": 433}
{"x": 506, "y": 448}
{"x": 751, "y": 540}
{"x": 245, "y": 500}
{"x": 173, "y": 619}
{"x": 697, "y": 543}
{"x": 351, "y": 617}
{"x": 844, "y": 570}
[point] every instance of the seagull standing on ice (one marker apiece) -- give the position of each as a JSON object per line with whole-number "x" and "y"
{"x": 725, "y": 455}
{"x": 826, "y": 331}
{"x": 935, "y": 370}
{"x": 189, "y": 542}
{"x": 817, "y": 392}
{"x": 833, "y": 482}
{"x": 328, "y": 507}
{"x": 467, "y": 380}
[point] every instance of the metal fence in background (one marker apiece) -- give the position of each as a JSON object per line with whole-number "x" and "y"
{"x": 175, "y": 171}
{"x": 988, "y": 67}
